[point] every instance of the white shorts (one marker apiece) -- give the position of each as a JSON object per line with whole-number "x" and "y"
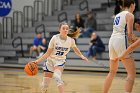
{"x": 50, "y": 64}
{"x": 117, "y": 45}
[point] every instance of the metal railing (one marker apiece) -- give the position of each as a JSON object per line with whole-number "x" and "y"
{"x": 62, "y": 17}
{"x": 7, "y": 27}
{"x": 67, "y": 2}
{"x": 16, "y": 44}
{"x": 57, "y": 5}
{"x": 84, "y": 5}
{"x": 1, "y": 33}
{"x": 46, "y": 7}
{"x": 38, "y": 10}
{"x": 17, "y": 22}
{"x": 28, "y": 16}
{"x": 41, "y": 29}
{"x": 108, "y": 2}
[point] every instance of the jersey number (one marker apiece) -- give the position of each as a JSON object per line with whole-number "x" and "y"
{"x": 59, "y": 53}
{"x": 117, "y": 20}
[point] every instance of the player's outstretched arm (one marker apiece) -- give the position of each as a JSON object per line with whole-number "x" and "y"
{"x": 77, "y": 51}
{"x": 46, "y": 55}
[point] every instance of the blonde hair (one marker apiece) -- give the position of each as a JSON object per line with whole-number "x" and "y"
{"x": 74, "y": 34}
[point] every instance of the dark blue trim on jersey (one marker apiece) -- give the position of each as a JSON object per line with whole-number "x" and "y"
{"x": 47, "y": 70}
{"x": 126, "y": 43}
{"x": 62, "y": 64}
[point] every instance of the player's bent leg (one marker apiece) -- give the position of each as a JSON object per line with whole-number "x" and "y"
{"x": 31, "y": 50}
{"x": 57, "y": 76}
{"x": 131, "y": 73}
{"x": 46, "y": 81}
{"x": 38, "y": 50}
{"x": 111, "y": 75}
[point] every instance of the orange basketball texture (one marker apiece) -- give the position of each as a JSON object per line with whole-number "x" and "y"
{"x": 31, "y": 69}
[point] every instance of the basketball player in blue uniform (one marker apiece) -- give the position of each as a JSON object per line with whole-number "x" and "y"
{"x": 121, "y": 36}
{"x": 58, "y": 48}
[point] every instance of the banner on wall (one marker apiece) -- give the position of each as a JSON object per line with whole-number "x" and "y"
{"x": 5, "y": 7}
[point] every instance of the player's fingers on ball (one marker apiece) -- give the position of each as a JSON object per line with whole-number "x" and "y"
{"x": 34, "y": 62}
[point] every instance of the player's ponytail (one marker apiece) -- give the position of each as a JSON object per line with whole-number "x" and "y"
{"x": 75, "y": 34}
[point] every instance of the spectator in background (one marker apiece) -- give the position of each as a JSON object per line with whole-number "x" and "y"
{"x": 37, "y": 41}
{"x": 77, "y": 24}
{"x": 78, "y": 21}
{"x": 90, "y": 25}
{"x": 137, "y": 24}
{"x": 43, "y": 47}
{"x": 97, "y": 46}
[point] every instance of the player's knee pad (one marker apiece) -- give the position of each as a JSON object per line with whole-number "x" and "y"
{"x": 57, "y": 76}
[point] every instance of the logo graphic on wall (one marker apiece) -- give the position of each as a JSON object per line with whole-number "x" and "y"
{"x": 5, "y": 7}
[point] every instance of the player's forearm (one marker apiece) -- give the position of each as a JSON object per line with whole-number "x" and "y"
{"x": 77, "y": 51}
{"x": 131, "y": 48}
{"x": 46, "y": 55}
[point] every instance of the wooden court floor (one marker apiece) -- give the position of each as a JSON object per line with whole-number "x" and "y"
{"x": 16, "y": 81}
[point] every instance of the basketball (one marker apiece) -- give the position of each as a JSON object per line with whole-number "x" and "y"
{"x": 31, "y": 69}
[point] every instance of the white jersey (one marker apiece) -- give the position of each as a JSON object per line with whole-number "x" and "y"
{"x": 60, "y": 47}
{"x": 118, "y": 42}
{"x": 119, "y": 26}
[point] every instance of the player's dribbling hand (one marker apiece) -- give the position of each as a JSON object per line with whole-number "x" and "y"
{"x": 33, "y": 62}
{"x": 116, "y": 59}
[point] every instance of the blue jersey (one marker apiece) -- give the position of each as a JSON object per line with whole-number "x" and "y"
{"x": 37, "y": 41}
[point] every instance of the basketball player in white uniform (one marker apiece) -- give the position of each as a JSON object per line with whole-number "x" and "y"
{"x": 58, "y": 48}
{"x": 122, "y": 31}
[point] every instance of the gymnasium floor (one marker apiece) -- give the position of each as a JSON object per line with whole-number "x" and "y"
{"x": 16, "y": 81}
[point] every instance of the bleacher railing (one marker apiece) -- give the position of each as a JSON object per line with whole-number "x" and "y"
{"x": 57, "y": 5}
{"x": 62, "y": 17}
{"x": 1, "y": 33}
{"x": 31, "y": 14}
{"x": 108, "y": 2}
{"x": 84, "y": 5}
{"x": 7, "y": 27}
{"x": 16, "y": 44}
{"x": 17, "y": 22}
{"x": 28, "y": 16}
{"x": 38, "y": 10}
{"x": 67, "y": 2}
{"x": 41, "y": 29}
